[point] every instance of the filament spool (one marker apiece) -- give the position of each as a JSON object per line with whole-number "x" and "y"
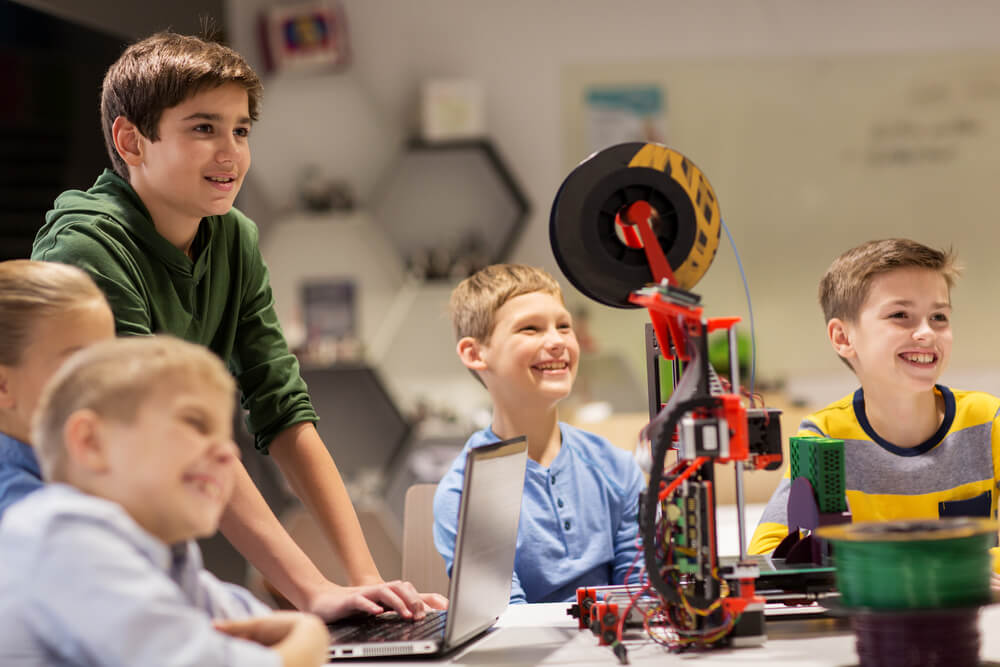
{"x": 583, "y": 225}
{"x": 913, "y": 564}
{"x": 918, "y": 638}
{"x": 914, "y": 588}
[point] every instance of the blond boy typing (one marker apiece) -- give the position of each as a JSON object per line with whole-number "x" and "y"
{"x": 913, "y": 448}
{"x": 100, "y": 566}
{"x": 579, "y": 511}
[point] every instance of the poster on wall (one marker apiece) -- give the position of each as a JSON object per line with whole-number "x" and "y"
{"x": 304, "y": 35}
{"x": 617, "y": 114}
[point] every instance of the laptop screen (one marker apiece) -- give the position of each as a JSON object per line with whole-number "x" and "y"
{"x": 487, "y": 536}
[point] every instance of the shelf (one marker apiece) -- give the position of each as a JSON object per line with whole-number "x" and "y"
{"x": 450, "y": 208}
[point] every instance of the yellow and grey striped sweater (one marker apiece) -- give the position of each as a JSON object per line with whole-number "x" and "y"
{"x": 954, "y": 473}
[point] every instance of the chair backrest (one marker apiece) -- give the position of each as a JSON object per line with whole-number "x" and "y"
{"x": 422, "y": 564}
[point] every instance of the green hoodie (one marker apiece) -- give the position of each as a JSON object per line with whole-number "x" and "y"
{"x": 221, "y": 300}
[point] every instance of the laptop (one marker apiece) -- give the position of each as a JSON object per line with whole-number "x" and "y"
{"x": 479, "y": 590}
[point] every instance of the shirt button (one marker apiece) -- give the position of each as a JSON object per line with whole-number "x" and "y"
{"x": 566, "y": 525}
{"x": 559, "y": 502}
{"x": 553, "y": 479}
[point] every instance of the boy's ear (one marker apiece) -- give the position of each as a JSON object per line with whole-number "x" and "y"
{"x": 128, "y": 141}
{"x": 84, "y": 445}
{"x": 471, "y": 353}
{"x": 6, "y": 391}
{"x": 840, "y": 337}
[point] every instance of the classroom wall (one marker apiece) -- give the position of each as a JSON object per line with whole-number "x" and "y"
{"x": 524, "y": 52}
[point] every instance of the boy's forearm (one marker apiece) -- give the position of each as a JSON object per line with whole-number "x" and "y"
{"x": 250, "y": 525}
{"x": 311, "y": 472}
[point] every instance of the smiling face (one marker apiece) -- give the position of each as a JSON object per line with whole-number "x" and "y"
{"x": 53, "y": 339}
{"x": 197, "y": 166}
{"x": 173, "y": 468}
{"x": 902, "y": 338}
{"x": 532, "y": 354}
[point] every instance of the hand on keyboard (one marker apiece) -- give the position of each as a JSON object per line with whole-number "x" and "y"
{"x": 335, "y": 602}
{"x": 434, "y": 601}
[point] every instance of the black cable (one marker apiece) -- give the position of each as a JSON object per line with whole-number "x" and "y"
{"x": 647, "y": 523}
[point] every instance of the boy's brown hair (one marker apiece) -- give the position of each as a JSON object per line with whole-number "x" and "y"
{"x": 162, "y": 71}
{"x": 31, "y": 291}
{"x": 475, "y": 301}
{"x": 846, "y": 284}
{"x": 114, "y": 378}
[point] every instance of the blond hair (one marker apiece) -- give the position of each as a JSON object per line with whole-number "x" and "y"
{"x": 475, "y": 301}
{"x": 161, "y": 71}
{"x": 114, "y": 378}
{"x": 31, "y": 291}
{"x": 846, "y": 284}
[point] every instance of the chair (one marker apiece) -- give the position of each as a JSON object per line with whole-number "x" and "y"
{"x": 422, "y": 564}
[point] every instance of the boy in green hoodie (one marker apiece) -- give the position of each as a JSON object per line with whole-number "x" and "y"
{"x": 161, "y": 238}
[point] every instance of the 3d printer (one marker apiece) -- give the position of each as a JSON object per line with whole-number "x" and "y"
{"x": 637, "y": 225}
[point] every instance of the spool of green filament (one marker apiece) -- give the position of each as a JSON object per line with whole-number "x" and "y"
{"x": 914, "y": 564}
{"x": 914, "y": 588}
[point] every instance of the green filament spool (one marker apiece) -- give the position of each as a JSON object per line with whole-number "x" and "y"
{"x": 914, "y": 564}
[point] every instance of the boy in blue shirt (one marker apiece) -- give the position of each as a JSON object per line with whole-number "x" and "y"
{"x": 48, "y": 312}
{"x": 100, "y": 565}
{"x": 579, "y": 512}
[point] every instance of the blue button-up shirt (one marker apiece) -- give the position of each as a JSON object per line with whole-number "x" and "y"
{"x": 579, "y": 518}
{"x": 19, "y": 471}
{"x": 83, "y": 584}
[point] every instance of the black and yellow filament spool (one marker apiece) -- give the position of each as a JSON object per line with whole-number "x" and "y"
{"x": 583, "y": 225}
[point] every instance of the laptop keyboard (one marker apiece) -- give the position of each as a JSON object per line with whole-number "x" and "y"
{"x": 388, "y": 627}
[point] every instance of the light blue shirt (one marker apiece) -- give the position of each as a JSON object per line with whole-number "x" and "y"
{"x": 19, "y": 471}
{"x": 84, "y": 584}
{"x": 579, "y": 518}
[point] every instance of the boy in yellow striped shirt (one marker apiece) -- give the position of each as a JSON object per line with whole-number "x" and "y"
{"x": 913, "y": 449}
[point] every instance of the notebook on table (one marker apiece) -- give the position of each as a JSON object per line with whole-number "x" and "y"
{"x": 479, "y": 590}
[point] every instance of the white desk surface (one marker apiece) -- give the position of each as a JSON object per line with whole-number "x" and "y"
{"x": 543, "y": 634}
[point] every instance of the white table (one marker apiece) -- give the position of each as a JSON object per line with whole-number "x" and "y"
{"x": 543, "y": 634}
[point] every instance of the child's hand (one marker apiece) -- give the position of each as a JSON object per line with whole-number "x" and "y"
{"x": 434, "y": 601}
{"x": 338, "y": 601}
{"x": 300, "y": 639}
{"x": 268, "y": 630}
